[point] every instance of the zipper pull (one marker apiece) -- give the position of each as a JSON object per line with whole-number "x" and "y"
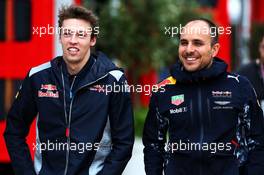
{"x": 67, "y": 132}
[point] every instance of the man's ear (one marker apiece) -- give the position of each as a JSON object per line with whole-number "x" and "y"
{"x": 93, "y": 41}
{"x": 215, "y": 49}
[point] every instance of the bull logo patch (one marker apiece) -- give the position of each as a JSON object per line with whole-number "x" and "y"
{"x": 48, "y": 90}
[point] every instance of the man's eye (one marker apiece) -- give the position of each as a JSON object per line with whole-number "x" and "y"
{"x": 198, "y": 43}
{"x": 66, "y": 33}
{"x": 81, "y": 35}
{"x": 184, "y": 43}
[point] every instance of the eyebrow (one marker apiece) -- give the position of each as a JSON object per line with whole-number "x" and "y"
{"x": 183, "y": 40}
{"x": 194, "y": 40}
{"x": 73, "y": 29}
{"x": 198, "y": 40}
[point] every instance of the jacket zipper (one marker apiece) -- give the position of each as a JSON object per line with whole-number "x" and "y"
{"x": 201, "y": 124}
{"x": 209, "y": 112}
{"x": 67, "y": 132}
{"x": 70, "y": 111}
{"x": 191, "y": 111}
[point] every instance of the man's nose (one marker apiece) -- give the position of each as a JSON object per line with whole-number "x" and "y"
{"x": 73, "y": 39}
{"x": 190, "y": 48}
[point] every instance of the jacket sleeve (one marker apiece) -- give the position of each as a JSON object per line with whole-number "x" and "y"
{"x": 255, "y": 163}
{"x": 122, "y": 131}
{"x": 154, "y": 138}
{"x": 18, "y": 124}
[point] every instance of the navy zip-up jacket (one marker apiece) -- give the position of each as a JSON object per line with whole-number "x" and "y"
{"x": 82, "y": 126}
{"x": 213, "y": 122}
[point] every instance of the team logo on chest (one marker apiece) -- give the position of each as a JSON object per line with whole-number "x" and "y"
{"x": 48, "y": 90}
{"x": 177, "y": 99}
{"x": 224, "y": 94}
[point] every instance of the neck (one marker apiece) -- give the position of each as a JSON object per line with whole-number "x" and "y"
{"x": 209, "y": 65}
{"x": 74, "y": 69}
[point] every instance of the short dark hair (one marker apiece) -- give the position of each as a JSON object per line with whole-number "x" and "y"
{"x": 78, "y": 12}
{"x": 210, "y": 24}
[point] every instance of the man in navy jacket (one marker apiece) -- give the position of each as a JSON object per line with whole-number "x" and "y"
{"x": 83, "y": 126}
{"x": 212, "y": 118}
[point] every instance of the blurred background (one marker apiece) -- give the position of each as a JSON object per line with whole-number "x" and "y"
{"x": 132, "y": 33}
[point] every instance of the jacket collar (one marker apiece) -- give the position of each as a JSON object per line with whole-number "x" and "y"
{"x": 217, "y": 68}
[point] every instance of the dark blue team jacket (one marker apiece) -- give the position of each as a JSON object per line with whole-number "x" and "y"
{"x": 213, "y": 123}
{"x": 88, "y": 130}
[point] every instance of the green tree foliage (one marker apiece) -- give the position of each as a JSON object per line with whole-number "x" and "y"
{"x": 134, "y": 31}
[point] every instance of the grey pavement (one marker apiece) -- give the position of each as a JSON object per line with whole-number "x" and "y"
{"x": 136, "y": 164}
